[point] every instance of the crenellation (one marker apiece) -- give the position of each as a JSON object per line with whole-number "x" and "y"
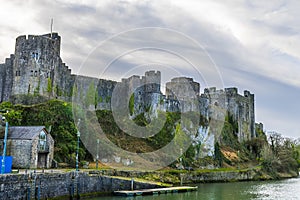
{"x": 37, "y": 58}
{"x": 231, "y": 91}
{"x": 21, "y": 40}
{"x": 186, "y": 91}
{"x": 182, "y": 87}
{"x": 152, "y": 81}
{"x": 37, "y": 69}
{"x": 240, "y": 107}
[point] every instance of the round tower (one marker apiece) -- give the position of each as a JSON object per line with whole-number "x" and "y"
{"x": 36, "y": 57}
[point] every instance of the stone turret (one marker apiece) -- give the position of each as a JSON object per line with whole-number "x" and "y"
{"x": 6, "y": 78}
{"x": 37, "y": 69}
{"x": 145, "y": 90}
{"x": 240, "y": 107}
{"x": 152, "y": 82}
{"x": 186, "y": 91}
{"x": 36, "y": 59}
{"x": 181, "y": 88}
{"x": 251, "y": 110}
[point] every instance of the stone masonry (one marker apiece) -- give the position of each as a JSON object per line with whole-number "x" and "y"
{"x": 62, "y": 185}
{"x": 36, "y": 69}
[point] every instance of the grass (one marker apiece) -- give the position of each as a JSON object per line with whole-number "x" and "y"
{"x": 141, "y": 180}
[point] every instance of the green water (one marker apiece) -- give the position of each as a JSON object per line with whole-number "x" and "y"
{"x": 288, "y": 189}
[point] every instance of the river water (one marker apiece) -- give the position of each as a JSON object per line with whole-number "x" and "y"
{"x": 288, "y": 189}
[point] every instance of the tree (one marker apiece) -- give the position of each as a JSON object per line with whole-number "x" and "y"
{"x": 131, "y": 104}
{"x": 90, "y": 98}
{"x": 276, "y": 141}
{"x": 14, "y": 118}
{"x": 218, "y": 155}
{"x": 49, "y": 87}
{"x": 283, "y": 156}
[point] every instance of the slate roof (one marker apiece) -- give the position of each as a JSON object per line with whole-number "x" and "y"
{"x": 24, "y": 132}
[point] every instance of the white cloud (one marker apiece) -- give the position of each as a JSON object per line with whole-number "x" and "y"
{"x": 252, "y": 42}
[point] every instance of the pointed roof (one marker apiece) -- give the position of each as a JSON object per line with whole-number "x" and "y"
{"x": 24, "y": 132}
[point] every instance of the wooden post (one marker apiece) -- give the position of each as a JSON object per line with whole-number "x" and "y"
{"x": 132, "y": 181}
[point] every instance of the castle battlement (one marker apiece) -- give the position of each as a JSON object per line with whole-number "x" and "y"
{"x": 33, "y": 45}
{"x": 32, "y": 38}
{"x": 240, "y": 107}
{"x": 182, "y": 88}
{"x": 152, "y": 73}
{"x": 37, "y": 69}
{"x": 231, "y": 91}
{"x": 182, "y": 79}
{"x": 248, "y": 94}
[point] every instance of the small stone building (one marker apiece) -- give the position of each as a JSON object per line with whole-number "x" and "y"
{"x": 30, "y": 146}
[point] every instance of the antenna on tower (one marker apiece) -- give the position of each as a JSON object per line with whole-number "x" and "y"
{"x": 51, "y": 26}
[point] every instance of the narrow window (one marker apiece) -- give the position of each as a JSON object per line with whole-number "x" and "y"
{"x": 42, "y": 141}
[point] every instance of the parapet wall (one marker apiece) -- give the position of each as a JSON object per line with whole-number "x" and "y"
{"x": 62, "y": 185}
{"x": 37, "y": 69}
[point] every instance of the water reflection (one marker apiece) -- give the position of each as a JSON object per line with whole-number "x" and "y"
{"x": 287, "y": 189}
{"x": 264, "y": 190}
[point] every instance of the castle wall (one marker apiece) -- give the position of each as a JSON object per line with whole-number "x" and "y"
{"x": 259, "y": 127}
{"x": 146, "y": 92}
{"x": 181, "y": 88}
{"x": 62, "y": 82}
{"x": 204, "y": 106}
{"x": 135, "y": 86}
{"x": 36, "y": 59}
{"x": 251, "y": 110}
{"x": 170, "y": 105}
{"x": 2, "y": 79}
{"x": 152, "y": 96}
{"x": 84, "y": 91}
{"x": 6, "y": 79}
{"x": 92, "y": 93}
{"x": 186, "y": 91}
{"x": 36, "y": 68}
{"x": 240, "y": 107}
{"x": 105, "y": 90}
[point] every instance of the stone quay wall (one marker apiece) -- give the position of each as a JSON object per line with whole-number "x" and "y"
{"x": 193, "y": 177}
{"x": 62, "y": 185}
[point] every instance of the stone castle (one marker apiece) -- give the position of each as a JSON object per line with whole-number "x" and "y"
{"x": 37, "y": 70}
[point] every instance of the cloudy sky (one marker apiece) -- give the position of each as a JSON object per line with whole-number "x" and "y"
{"x": 250, "y": 44}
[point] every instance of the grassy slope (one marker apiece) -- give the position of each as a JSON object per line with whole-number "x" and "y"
{"x": 58, "y": 114}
